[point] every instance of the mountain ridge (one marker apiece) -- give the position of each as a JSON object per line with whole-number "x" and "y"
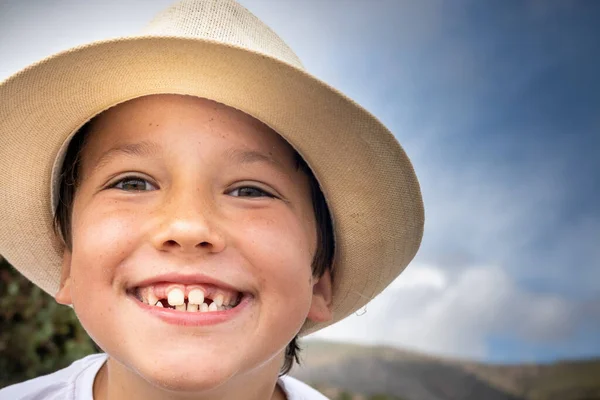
{"x": 368, "y": 370}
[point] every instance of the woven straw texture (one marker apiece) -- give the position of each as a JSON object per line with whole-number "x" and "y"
{"x": 218, "y": 50}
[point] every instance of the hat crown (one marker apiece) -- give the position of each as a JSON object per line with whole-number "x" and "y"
{"x": 223, "y": 21}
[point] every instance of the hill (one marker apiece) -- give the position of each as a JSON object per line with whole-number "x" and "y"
{"x": 335, "y": 368}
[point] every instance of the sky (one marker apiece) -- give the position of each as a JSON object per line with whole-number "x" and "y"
{"x": 495, "y": 102}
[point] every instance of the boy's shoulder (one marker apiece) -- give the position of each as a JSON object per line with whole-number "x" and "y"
{"x": 74, "y": 382}
{"x": 297, "y": 390}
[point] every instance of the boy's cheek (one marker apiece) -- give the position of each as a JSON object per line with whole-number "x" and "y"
{"x": 101, "y": 232}
{"x": 100, "y": 244}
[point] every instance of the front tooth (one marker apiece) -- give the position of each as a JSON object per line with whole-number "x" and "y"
{"x": 196, "y": 296}
{"x": 180, "y": 307}
{"x": 159, "y": 304}
{"x": 213, "y": 307}
{"x": 218, "y": 300}
{"x": 175, "y": 297}
{"x": 192, "y": 307}
{"x": 203, "y": 307}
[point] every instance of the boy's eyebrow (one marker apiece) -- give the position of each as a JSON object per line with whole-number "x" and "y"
{"x": 140, "y": 149}
{"x": 150, "y": 150}
{"x": 252, "y": 156}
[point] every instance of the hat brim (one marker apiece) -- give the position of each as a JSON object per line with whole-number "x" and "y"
{"x": 368, "y": 181}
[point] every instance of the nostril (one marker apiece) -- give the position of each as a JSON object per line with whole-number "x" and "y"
{"x": 204, "y": 244}
{"x": 171, "y": 243}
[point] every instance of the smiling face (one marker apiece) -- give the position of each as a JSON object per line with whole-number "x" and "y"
{"x": 185, "y": 193}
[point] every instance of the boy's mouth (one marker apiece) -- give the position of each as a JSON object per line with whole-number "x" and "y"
{"x": 187, "y": 298}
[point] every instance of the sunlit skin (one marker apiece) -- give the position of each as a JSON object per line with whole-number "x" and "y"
{"x": 197, "y": 187}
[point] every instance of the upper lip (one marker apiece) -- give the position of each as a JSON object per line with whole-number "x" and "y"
{"x": 185, "y": 279}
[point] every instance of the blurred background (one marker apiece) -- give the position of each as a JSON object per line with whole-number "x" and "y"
{"x": 497, "y": 104}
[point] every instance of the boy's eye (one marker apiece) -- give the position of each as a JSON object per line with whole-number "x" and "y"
{"x": 133, "y": 184}
{"x": 249, "y": 191}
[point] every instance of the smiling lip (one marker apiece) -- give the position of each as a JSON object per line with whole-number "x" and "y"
{"x": 184, "y": 279}
{"x": 185, "y": 318}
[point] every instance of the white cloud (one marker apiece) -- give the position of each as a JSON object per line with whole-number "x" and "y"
{"x": 421, "y": 277}
{"x": 428, "y": 310}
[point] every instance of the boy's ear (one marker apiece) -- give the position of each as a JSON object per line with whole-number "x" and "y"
{"x": 63, "y": 296}
{"x": 320, "y": 308}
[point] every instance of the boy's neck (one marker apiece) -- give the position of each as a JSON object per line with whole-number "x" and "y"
{"x": 115, "y": 382}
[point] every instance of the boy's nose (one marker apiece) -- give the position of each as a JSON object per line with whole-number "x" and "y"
{"x": 185, "y": 230}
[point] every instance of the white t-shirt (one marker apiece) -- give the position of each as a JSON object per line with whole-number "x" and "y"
{"x": 77, "y": 380}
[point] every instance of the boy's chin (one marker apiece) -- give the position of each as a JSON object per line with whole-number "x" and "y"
{"x": 189, "y": 375}
{"x": 189, "y": 380}
{"x": 193, "y": 374}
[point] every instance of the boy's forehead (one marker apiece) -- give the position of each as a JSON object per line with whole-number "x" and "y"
{"x": 148, "y": 108}
{"x": 138, "y": 127}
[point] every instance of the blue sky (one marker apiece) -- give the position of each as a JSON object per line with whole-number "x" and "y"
{"x": 496, "y": 104}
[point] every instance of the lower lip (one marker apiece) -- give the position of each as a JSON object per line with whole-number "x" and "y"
{"x": 195, "y": 318}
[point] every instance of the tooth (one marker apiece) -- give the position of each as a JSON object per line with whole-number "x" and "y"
{"x": 213, "y": 307}
{"x": 196, "y": 296}
{"x": 139, "y": 295}
{"x": 159, "y": 304}
{"x": 152, "y": 299}
{"x": 180, "y": 307}
{"x": 192, "y": 307}
{"x": 218, "y": 300}
{"x": 175, "y": 297}
{"x": 229, "y": 300}
{"x": 203, "y": 307}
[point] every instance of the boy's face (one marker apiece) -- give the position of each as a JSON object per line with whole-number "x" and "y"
{"x": 180, "y": 192}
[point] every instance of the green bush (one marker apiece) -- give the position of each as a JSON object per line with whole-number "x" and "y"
{"x": 383, "y": 397}
{"x": 37, "y": 335}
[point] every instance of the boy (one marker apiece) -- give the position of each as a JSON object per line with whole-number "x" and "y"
{"x": 200, "y": 201}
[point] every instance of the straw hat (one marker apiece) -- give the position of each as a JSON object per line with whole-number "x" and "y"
{"x": 214, "y": 49}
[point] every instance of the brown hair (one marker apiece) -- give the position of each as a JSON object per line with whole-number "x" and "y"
{"x": 322, "y": 260}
